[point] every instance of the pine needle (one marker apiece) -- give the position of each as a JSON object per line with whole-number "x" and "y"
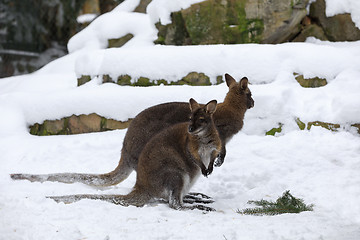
{"x": 284, "y": 204}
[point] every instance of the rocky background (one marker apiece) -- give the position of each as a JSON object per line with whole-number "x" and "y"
{"x": 30, "y": 39}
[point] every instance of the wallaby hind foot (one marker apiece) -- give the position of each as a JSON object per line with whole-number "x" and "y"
{"x": 197, "y": 198}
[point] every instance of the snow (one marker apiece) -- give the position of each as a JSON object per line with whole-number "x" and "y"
{"x": 320, "y": 166}
{"x": 86, "y": 18}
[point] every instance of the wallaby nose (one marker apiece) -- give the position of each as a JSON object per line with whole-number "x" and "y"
{"x": 191, "y": 128}
{"x": 251, "y": 104}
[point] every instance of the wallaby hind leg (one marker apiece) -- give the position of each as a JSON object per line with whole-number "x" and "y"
{"x": 121, "y": 172}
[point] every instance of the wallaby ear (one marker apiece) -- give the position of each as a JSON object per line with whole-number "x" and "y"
{"x": 229, "y": 79}
{"x": 244, "y": 83}
{"x": 211, "y": 106}
{"x": 193, "y": 104}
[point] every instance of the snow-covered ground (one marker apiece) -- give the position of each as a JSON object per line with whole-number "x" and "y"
{"x": 320, "y": 166}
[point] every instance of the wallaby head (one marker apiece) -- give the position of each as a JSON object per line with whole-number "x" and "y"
{"x": 201, "y": 117}
{"x": 239, "y": 91}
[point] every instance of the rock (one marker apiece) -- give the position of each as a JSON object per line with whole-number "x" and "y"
{"x": 141, "y": 8}
{"x": 312, "y": 30}
{"x": 119, "y": 42}
{"x": 234, "y": 21}
{"x": 111, "y": 124}
{"x": 54, "y": 127}
{"x": 107, "y": 79}
{"x": 84, "y": 124}
{"x": 195, "y": 79}
{"x": 77, "y": 124}
{"x": 83, "y": 79}
{"x": 124, "y": 80}
{"x": 144, "y": 82}
{"x": 310, "y": 82}
{"x": 337, "y": 28}
{"x": 357, "y": 125}
{"x": 174, "y": 33}
{"x": 91, "y": 6}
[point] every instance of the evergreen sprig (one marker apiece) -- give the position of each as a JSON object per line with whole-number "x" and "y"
{"x": 284, "y": 204}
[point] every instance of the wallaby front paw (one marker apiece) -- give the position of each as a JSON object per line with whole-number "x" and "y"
{"x": 205, "y": 172}
{"x": 219, "y": 161}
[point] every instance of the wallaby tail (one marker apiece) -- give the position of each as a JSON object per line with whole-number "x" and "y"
{"x": 135, "y": 198}
{"x": 121, "y": 172}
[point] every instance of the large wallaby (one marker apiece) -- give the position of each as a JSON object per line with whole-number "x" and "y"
{"x": 171, "y": 162}
{"x": 228, "y": 120}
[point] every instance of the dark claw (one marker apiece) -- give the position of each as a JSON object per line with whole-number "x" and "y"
{"x": 205, "y": 172}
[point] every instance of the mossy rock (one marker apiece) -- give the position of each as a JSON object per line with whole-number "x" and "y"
{"x": 107, "y": 79}
{"x": 144, "y": 82}
{"x": 310, "y": 82}
{"x": 124, "y": 80}
{"x": 77, "y": 124}
{"x": 234, "y": 21}
{"x": 273, "y": 131}
{"x": 336, "y": 28}
{"x": 83, "y": 79}
{"x": 328, "y": 126}
{"x": 111, "y": 124}
{"x": 195, "y": 79}
{"x": 174, "y": 33}
{"x": 119, "y": 42}
{"x": 212, "y": 22}
{"x": 312, "y": 30}
{"x": 84, "y": 123}
{"x": 219, "y": 79}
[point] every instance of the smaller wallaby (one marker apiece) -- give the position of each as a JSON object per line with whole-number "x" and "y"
{"x": 171, "y": 162}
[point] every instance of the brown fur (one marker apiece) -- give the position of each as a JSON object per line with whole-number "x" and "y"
{"x": 170, "y": 162}
{"x": 228, "y": 120}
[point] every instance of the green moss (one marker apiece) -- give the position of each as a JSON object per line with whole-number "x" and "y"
{"x": 161, "y": 81}
{"x": 143, "y": 82}
{"x": 219, "y": 79}
{"x": 300, "y": 124}
{"x": 310, "y": 82}
{"x": 107, "y": 79}
{"x": 103, "y": 124}
{"x": 119, "y": 42}
{"x": 34, "y": 129}
{"x": 238, "y": 28}
{"x": 124, "y": 80}
{"x": 83, "y": 79}
{"x": 273, "y": 131}
{"x": 195, "y": 79}
{"x": 328, "y": 126}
